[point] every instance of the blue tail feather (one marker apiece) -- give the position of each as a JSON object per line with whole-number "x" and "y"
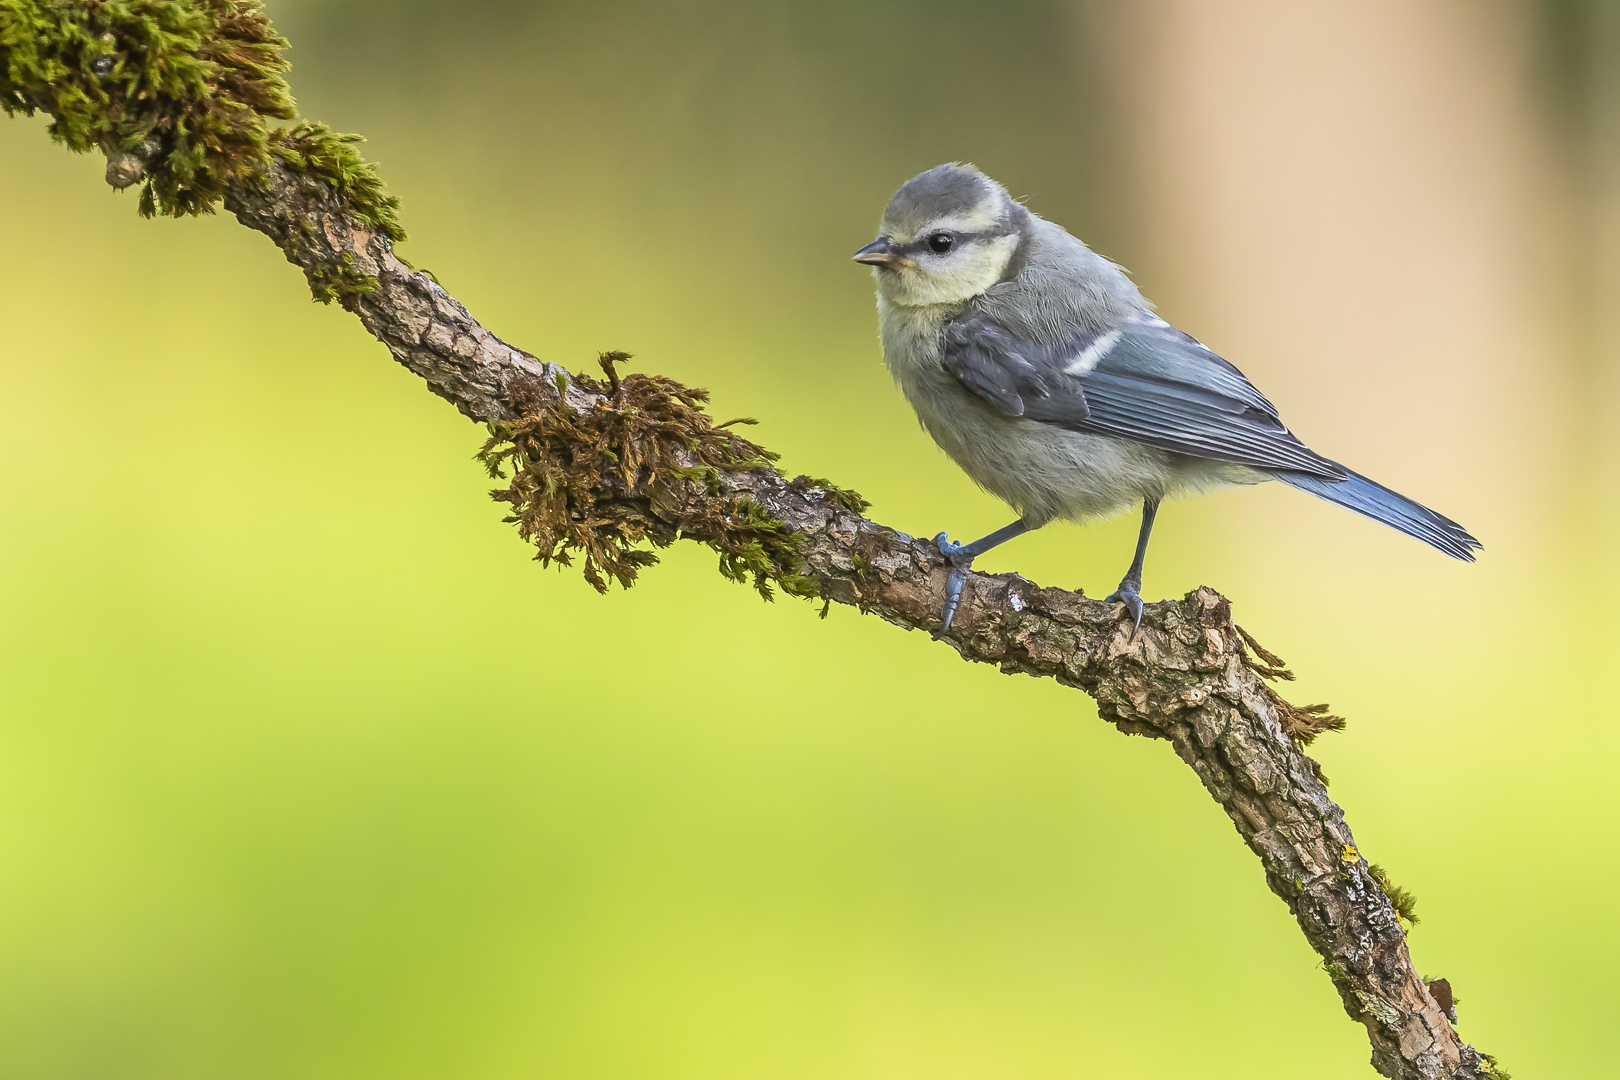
{"x": 1362, "y": 495}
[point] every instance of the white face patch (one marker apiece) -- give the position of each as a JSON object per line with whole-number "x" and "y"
{"x": 1092, "y": 355}
{"x": 951, "y": 278}
{"x": 981, "y": 217}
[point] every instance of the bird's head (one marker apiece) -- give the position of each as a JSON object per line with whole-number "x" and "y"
{"x": 947, "y": 235}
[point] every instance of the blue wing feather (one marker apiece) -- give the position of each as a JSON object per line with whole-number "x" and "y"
{"x": 1151, "y": 383}
{"x": 1158, "y": 386}
{"x": 1154, "y": 385}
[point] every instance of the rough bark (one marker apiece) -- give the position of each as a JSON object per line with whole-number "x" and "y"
{"x": 1187, "y": 677}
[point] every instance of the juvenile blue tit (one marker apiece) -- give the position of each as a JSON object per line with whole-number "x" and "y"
{"x": 1039, "y": 368}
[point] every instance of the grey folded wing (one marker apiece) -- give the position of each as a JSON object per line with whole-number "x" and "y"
{"x": 1145, "y": 381}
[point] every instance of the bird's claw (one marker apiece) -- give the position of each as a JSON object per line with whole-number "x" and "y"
{"x": 951, "y": 549}
{"x": 1130, "y": 595}
{"x": 960, "y": 565}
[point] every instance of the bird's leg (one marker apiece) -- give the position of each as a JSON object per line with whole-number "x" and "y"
{"x": 962, "y": 556}
{"x": 1129, "y": 592}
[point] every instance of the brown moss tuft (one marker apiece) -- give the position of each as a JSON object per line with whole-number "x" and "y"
{"x": 1272, "y": 665}
{"x": 641, "y": 463}
{"x": 1301, "y": 723}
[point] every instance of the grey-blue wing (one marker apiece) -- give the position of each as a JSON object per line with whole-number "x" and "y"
{"x": 1017, "y": 375}
{"x": 1161, "y": 387}
{"x": 1145, "y": 381}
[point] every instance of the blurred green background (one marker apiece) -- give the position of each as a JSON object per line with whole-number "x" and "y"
{"x": 307, "y": 772}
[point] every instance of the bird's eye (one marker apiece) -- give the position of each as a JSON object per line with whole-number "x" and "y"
{"x": 941, "y": 242}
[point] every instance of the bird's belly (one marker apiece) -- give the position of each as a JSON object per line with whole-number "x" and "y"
{"x": 1043, "y": 471}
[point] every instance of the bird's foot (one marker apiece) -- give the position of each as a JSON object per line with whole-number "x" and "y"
{"x": 1129, "y": 593}
{"x": 961, "y": 562}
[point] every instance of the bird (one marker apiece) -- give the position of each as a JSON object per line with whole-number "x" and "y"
{"x": 1038, "y": 367}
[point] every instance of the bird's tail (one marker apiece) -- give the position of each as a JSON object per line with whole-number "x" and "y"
{"x": 1360, "y": 494}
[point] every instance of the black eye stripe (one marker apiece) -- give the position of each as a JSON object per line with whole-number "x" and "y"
{"x": 921, "y": 245}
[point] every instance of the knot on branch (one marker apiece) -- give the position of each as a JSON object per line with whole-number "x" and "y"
{"x": 634, "y": 460}
{"x": 126, "y": 167}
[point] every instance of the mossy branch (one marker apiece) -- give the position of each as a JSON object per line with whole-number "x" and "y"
{"x": 593, "y": 480}
{"x": 181, "y": 96}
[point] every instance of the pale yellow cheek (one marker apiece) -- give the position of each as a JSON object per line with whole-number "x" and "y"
{"x": 950, "y": 281}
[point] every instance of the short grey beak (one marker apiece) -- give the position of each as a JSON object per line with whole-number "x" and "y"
{"x": 878, "y": 253}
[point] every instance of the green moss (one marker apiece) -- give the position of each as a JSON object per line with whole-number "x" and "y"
{"x": 320, "y": 153}
{"x": 189, "y": 88}
{"x": 339, "y": 281}
{"x": 192, "y": 83}
{"x": 845, "y": 497}
{"x": 586, "y": 483}
{"x": 1488, "y": 1066}
{"x": 1404, "y": 903}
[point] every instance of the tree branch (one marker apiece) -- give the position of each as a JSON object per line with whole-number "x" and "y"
{"x": 599, "y": 467}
